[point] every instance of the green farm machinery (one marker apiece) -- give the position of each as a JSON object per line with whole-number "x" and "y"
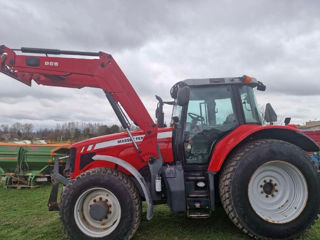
{"x": 24, "y": 165}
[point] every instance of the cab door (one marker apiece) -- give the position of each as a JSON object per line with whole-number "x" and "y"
{"x": 210, "y": 115}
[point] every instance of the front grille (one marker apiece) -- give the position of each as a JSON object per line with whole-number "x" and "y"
{"x": 72, "y": 158}
{"x": 85, "y": 159}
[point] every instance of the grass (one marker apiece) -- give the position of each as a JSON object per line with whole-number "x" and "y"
{"x": 24, "y": 215}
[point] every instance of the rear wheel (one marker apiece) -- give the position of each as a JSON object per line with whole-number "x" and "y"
{"x": 270, "y": 189}
{"x": 100, "y": 204}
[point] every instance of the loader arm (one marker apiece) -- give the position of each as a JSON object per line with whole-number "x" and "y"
{"x": 100, "y": 72}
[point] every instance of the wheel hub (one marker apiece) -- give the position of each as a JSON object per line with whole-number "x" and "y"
{"x": 269, "y": 188}
{"x": 99, "y": 211}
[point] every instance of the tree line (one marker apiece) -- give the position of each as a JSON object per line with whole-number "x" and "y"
{"x": 71, "y": 131}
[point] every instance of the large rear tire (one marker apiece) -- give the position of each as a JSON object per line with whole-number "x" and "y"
{"x": 270, "y": 190}
{"x": 100, "y": 204}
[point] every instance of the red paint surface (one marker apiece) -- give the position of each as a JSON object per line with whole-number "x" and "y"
{"x": 226, "y": 145}
{"x": 126, "y": 151}
{"x": 315, "y": 135}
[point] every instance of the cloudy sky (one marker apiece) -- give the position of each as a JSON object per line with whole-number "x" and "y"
{"x": 157, "y": 43}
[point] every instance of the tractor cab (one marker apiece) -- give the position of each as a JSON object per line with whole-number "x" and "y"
{"x": 206, "y": 110}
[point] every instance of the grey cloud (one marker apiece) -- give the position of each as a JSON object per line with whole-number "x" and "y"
{"x": 158, "y": 43}
{"x": 114, "y": 25}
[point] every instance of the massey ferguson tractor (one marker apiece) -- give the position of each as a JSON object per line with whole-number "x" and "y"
{"x": 216, "y": 150}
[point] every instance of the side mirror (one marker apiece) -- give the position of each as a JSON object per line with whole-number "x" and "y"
{"x": 270, "y": 115}
{"x": 287, "y": 120}
{"x": 159, "y": 113}
{"x": 261, "y": 86}
{"x": 183, "y": 96}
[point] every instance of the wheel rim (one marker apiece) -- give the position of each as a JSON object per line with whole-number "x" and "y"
{"x": 278, "y": 192}
{"x": 94, "y": 223}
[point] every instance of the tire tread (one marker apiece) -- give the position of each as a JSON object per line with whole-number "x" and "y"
{"x": 226, "y": 180}
{"x": 69, "y": 189}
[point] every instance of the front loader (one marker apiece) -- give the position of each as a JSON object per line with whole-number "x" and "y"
{"x": 216, "y": 148}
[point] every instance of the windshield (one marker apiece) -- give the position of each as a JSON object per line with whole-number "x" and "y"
{"x": 249, "y": 105}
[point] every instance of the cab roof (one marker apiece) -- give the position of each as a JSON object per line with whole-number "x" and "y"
{"x": 244, "y": 80}
{"x": 218, "y": 81}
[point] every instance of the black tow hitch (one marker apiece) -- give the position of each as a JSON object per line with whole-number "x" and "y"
{"x": 56, "y": 179}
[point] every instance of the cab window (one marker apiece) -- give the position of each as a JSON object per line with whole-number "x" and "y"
{"x": 210, "y": 115}
{"x": 249, "y": 105}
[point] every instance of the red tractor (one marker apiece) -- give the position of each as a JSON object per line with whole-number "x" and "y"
{"x": 215, "y": 150}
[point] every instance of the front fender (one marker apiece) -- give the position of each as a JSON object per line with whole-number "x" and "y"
{"x": 249, "y": 132}
{"x": 127, "y": 166}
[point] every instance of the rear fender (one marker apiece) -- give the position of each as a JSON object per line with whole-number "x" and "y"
{"x": 249, "y": 132}
{"x": 128, "y": 167}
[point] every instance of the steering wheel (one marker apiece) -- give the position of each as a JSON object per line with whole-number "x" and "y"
{"x": 196, "y": 117}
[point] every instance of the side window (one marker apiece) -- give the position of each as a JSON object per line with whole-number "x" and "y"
{"x": 249, "y": 105}
{"x": 224, "y": 112}
{"x": 247, "y": 110}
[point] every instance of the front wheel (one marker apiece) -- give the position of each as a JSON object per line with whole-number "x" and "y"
{"x": 100, "y": 204}
{"x": 270, "y": 189}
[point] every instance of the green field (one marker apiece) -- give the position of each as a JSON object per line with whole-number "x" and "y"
{"x": 24, "y": 215}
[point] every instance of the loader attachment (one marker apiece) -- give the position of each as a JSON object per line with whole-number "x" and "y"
{"x": 101, "y": 71}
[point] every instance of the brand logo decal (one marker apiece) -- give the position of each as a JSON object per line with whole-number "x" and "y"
{"x": 51, "y": 64}
{"x": 126, "y": 140}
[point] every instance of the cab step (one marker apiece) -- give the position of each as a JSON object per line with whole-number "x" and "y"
{"x": 198, "y": 214}
{"x": 193, "y": 178}
{"x": 198, "y": 195}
